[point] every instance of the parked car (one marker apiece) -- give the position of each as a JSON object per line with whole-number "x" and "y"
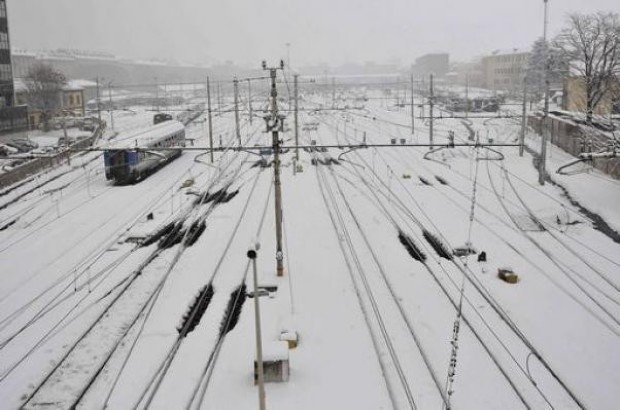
{"x": 88, "y": 124}
{"x": 6, "y": 150}
{"x": 65, "y": 141}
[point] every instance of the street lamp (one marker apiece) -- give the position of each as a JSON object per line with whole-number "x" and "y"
{"x": 252, "y": 254}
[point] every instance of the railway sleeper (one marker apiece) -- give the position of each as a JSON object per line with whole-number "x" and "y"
{"x": 425, "y": 181}
{"x": 438, "y": 245}
{"x": 174, "y": 237}
{"x": 196, "y": 310}
{"x": 228, "y": 197}
{"x": 194, "y": 232}
{"x": 210, "y": 197}
{"x": 163, "y": 231}
{"x": 411, "y": 247}
{"x": 233, "y": 310}
{"x": 327, "y": 161}
{"x": 7, "y": 225}
{"x": 441, "y": 180}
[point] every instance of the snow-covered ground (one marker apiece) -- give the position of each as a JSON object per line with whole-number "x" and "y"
{"x": 89, "y": 318}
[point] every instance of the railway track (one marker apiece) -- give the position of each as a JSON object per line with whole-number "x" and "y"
{"x": 482, "y": 292}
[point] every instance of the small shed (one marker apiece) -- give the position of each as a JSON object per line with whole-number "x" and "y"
{"x": 275, "y": 363}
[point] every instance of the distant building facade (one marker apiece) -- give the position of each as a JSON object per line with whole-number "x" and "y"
{"x": 71, "y": 102}
{"x": 437, "y": 64}
{"x": 470, "y": 73}
{"x": 12, "y": 118}
{"x": 505, "y": 70}
{"x": 574, "y": 97}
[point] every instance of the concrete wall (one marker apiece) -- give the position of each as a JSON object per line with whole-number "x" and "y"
{"x": 572, "y": 139}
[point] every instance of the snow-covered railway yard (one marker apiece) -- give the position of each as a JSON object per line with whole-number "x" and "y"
{"x": 92, "y": 304}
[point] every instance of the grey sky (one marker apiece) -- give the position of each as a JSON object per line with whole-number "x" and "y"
{"x": 247, "y": 31}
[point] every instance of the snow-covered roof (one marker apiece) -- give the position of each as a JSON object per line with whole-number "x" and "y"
{"x": 82, "y": 83}
{"x": 146, "y": 136}
{"x": 503, "y": 52}
{"x": 275, "y": 351}
{"x": 73, "y": 85}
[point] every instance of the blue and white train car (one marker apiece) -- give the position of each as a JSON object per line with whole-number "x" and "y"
{"x": 129, "y": 160}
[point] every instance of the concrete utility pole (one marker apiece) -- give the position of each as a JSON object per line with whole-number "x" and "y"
{"x": 466, "y": 95}
{"x": 412, "y": 109}
{"x": 157, "y": 94}
{"x": 98, "y": 102}
{"x": 250, "y": 99}
{"x": 111, "y": 106}
{"x": 274, "y": 124}
{"x": 542, "y": 171}
{"x": 165, "y": 95}
{"x": 210, "y": 118}
{"x": 431, "y": 103}
{"x": 523, "y": 118}
{"x": 236, "y": 97}
{"x": 296, "y": 94}
{"x": 259, "y": 340}
{"x": 219, "y": 97}
{"x": 333, "y": 92}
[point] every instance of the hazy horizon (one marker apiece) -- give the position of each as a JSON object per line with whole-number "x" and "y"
{"x": 331, "y": 32}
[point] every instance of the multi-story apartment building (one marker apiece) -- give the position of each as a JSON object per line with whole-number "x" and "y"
{"x": 12, "y": 118}
{"x": 505, "y": 70}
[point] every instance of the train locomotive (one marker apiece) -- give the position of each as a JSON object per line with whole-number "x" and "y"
{"x": 129, "y": 160}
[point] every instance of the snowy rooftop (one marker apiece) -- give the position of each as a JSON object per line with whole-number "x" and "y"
{"x": 145, "y": 136}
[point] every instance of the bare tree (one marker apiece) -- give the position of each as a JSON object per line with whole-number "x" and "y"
{"x": 544, "y": 56}
{"x": 591, "y": 45}
{"x": 45, "y": 84}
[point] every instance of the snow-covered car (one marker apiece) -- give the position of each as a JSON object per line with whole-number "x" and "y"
{"x": 88, "y": 124}
{"x": 6, "y": 150}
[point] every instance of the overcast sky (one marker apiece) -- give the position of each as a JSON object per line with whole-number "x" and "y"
{"x": 247, "y": 31}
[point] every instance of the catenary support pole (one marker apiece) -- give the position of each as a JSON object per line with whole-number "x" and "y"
{"x": 111, "y": 105}
{"x": 466, "y": 95}
{"x": 274, "y": 125}
{"x": 412, "y": 109}
{"x": 431, "y": 104}
{"x": 250, "y": 99}
{"x": 296, "y": 94}
{"x": 98, "y": 102}
{"x": 210, "y": 119}
{"x": 236, "y": 98}
{"x": 333, "y": 92}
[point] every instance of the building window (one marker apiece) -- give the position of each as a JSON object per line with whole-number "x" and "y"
{"x": 5, "y": 72}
